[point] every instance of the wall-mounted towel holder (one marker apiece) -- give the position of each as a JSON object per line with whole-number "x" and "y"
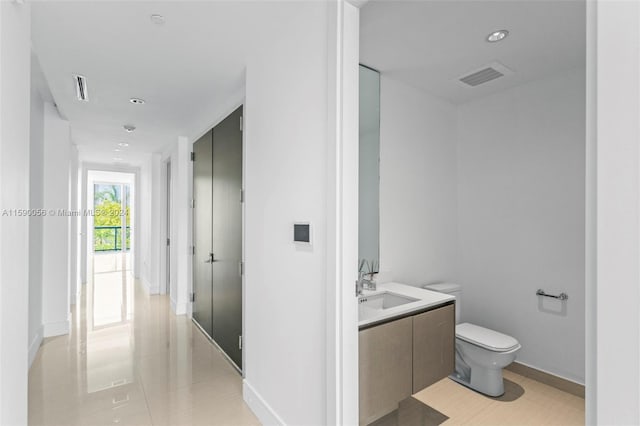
{"x": 561, "y": 296}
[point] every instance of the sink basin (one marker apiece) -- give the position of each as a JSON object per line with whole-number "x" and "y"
{"x": 384, "y": 301}
{"x": 369, "y": 306}
{"x": 394, "y": 300}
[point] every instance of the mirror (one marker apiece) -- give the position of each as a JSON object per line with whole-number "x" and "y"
{"x": 369, "y": 172}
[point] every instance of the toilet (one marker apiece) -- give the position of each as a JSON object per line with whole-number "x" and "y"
{"x": 481, "y": 353}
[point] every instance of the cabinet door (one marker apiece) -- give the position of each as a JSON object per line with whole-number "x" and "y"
{"x": 385, "y": 368}
{"x": 433, "y": 346}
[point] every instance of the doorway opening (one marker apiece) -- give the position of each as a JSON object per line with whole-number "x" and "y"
{"x": 166, "y": 289}
{"x": 110, "y": 225}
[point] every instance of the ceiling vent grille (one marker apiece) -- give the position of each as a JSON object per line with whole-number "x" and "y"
{"x": 481, "y": 76}
{"x": 81, "y": 88}
{"x": 485, "y": 74}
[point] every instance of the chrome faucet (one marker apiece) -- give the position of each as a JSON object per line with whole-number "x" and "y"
{"x": 364, "y": 284}
{"x": 359, "y": 285}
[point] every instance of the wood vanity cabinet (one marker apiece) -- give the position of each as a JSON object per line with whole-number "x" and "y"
{"x": 402, "y": 357}
{"x": 434, "y": 334}
{"x": 385, "y": 368}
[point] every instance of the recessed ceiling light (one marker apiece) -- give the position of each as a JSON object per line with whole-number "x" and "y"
{"x": 117, "y": 150}
{"x": 497, "y": 36}
{"x": 137, "y": 101}
{"x": 129, "y": 127}
{"x": 157, "y": 19}
{"x": 123, "y": 144}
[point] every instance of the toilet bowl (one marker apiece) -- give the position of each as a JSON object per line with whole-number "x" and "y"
{"x": 481, "y": 353}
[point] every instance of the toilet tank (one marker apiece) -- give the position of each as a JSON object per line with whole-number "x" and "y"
{"x": 452, "y": 289}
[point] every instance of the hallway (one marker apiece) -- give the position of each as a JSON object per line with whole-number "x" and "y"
{"x": 129, "y": 360}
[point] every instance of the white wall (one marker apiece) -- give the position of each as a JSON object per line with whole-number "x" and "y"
{"x": 521, "y": 218}
{"x": 36, "y": 201}
{"x": 85, "y": 242}
{"x": 418, "y": 204}
{"x": 165, "y": 216}
{"x": 143, "y": 228}
{"x": 613, "y": 390}
{"x": 341, "y": 308}
{"x": 148, "y": 227}
{"x": 74, "y": 225}
{"x": 171, "y": 155}
{"x": 15, "y": 51}
{"x": 156, "y": 244}
{"x": 80, "y": 242}
{"x": 55, "y": 235}
{"x": 181, "y": 261}
{"x": 285, "y": 181}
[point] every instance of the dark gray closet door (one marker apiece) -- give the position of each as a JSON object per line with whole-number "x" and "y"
{"x": 227, "y": 236}
{"x": 202, "y": 259}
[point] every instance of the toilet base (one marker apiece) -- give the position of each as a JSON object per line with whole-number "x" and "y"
{"x": 481, "y": 369}
{"x": 492, "y": 386}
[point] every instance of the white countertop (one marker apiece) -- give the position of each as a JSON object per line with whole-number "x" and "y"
{"x": 426, "y": 299}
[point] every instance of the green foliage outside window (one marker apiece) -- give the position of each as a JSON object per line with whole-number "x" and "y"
{"x": 108, "y": 213}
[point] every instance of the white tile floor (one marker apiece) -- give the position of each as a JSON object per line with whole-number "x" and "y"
{"x": 128, "y": 360}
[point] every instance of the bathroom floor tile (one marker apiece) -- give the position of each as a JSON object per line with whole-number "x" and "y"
{"x": 412, "y": 412}
{"x": 453, "y": 400}
{"x": 525, "y": 402}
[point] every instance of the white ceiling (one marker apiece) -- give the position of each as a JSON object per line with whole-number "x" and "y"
{"x": 187, "y": 70}
{"x": 190, "y": 69}
{"x": 430, "y": 44}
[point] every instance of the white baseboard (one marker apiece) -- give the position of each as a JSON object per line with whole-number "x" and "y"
{"x": 149, "y": 288}
{"x": 58, "y": 328}
{"x": 35, "y": 344}
{"x": 181, "y": 309}
{"x": 178, "y": 308}
{"x": 259, "y": 406}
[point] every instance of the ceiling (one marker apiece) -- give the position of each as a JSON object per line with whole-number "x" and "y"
{"x": 191, "y": 68}
{"x": 187, "y": 70}
{"x": 431, "y": 44}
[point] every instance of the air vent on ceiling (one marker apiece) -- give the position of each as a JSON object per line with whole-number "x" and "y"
{"x": 481, "y": 76}
{"x": 81, "y": 87}
{"x": 485, "y": 74}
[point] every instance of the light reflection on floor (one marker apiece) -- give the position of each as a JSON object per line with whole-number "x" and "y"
{"x": 129, "y": 360}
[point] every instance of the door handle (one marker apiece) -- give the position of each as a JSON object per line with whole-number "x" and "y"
{"x": 210, "y": 259}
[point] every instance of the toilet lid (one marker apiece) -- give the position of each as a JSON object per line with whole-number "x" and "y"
{"x": 485, "y": 338}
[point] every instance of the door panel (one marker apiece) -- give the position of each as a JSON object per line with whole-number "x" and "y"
{"x": 385, "y": 375}
{"x": 168, "y": 248}
{"x": 227, "y": 235}
{"x": 202, "y": 194}
{"x": 434, "y": 335}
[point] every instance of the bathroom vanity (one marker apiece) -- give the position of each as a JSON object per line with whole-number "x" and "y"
{"x": 406, "y": 343}
{"x": 406, "y": 334}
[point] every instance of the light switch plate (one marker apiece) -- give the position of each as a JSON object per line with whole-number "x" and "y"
{"x": 302, "y": 233}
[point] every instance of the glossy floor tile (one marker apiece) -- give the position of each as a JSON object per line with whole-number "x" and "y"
{"x": 525, "y": 402}
{"x": 129, "y": 361}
